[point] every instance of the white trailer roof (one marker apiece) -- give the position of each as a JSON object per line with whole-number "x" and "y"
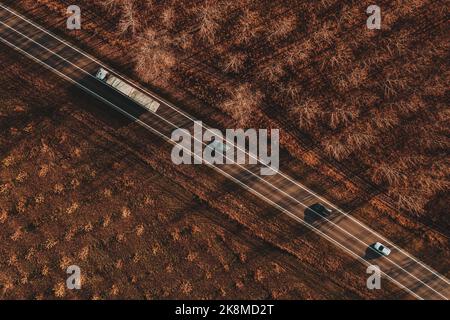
{"x": 144, "y": 100}
{"x": 120, "y": 85}
{"x": 141, "y": 98}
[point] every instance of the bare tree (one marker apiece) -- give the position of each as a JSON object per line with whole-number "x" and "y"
{"x": 340, "y": 116}
{"x": 130, "y": 21}
{"x": 325, "y": 34}
{"x": 358, "y": 76}
{"x": 249, "y": 25}
{"x": 359, "y": 139}
{"x": 341, "y": 56}
{"x": 155, "y": 58}
{"x": 111, "y": 5}
{"x": 272, "y": 71}
{"x": 387, "y": 173}
{"x": 290, "y": 91}
{"x": 385, "y": 119}
{"x": 243, "y": 104}
{"x": 413, "y": 202}
{"x": 185, "y": 40}
{"x": 168, "y": 17}
{"x": 210, "y": 15}
{"x": 299, "y": 53}
{"x": 335, "y": 148}
{"x": 282, "y": 27}
{"x": 234, "y": 61}
{"x": 306, "y": 113}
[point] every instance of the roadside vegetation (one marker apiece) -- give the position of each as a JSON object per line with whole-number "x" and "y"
{"x": 373, "y": 101}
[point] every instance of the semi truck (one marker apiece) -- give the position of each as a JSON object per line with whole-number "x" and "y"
{"x": 134, "y": 94}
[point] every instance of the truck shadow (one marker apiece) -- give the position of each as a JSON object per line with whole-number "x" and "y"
{"x": 371, "y": 254}
{"x": 100, "y": 109}
{"x": 314, "y": 218}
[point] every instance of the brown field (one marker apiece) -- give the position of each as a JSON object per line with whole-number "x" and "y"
{"x": 82, "y": 186}
{"x": 363, "y": 118}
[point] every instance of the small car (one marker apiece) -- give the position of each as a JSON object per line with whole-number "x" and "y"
{"x": 320, "y": 209}
{"x": 381, "y": 249}
{"x": 219, "y": 146}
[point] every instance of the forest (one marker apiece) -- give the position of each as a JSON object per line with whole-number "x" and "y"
{"x": 372, "y": 101}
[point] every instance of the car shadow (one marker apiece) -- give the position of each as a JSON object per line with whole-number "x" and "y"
{"x": 311, "y": 216}
{"x": 371, "y": 253}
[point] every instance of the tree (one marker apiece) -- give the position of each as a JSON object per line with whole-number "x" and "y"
{"x": 209, "y": 15}
{"x": 306, "y": 113}
{"x": 111, "y": 5}
{"x": 169, "y": 17}
{"x": 341, "y": 116}
{"x": 249, "y": 25}
{"x": 243, "y": 103}
{"x": 130, "y": 21}
{"x": 234, "y": 61}
{"x": 387, "y": 173}
{"x": 335, "y": 148}
{"x": 282, "y": 27}
{"x": 155, "y": 58}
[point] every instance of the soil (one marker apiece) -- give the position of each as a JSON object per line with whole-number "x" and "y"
{"x": 80, "y": 185}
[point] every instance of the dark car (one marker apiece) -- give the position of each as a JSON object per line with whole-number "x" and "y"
{"x": 320, "y": 209}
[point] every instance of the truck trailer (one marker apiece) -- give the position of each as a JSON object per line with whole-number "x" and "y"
{"x": 134, "y": 94}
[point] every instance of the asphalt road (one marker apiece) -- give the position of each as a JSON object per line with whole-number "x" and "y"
{"x": 281, "y": 191}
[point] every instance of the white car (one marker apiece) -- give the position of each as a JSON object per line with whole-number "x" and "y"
{"x": 381, "y": 249}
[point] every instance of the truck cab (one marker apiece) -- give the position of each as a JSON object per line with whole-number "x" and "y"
{"x": 125, "y": 88}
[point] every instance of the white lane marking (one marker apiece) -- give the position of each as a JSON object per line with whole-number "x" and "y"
{"x": 307, "y": 197}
